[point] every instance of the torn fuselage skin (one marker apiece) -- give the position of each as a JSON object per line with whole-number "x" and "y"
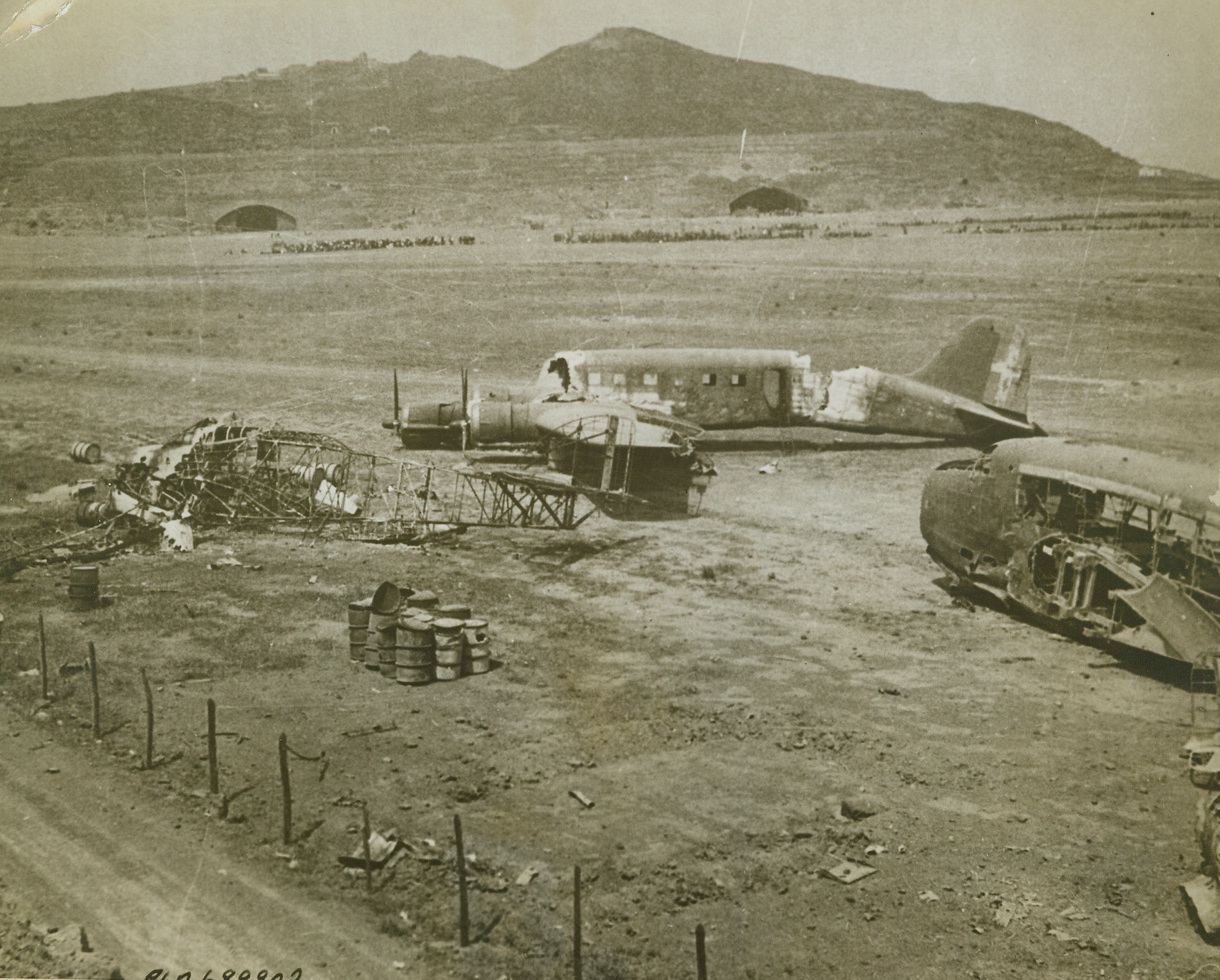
{"x": 1109, "y": 543}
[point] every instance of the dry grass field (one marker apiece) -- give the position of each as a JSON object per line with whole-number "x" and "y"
{"x": 716, "y": 687}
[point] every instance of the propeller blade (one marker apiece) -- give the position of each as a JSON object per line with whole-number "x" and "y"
{"x": 465, "y": 409}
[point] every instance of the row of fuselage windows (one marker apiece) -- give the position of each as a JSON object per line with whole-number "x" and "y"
{"x": 708, "y": 379}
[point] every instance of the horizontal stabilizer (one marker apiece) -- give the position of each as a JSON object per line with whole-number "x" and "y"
{"x": 987, "y": 363}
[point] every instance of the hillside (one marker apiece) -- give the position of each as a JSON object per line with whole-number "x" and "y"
{"x": 865, "y": 144}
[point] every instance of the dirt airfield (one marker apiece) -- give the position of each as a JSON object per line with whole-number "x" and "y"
{"x": 746, "y": 698}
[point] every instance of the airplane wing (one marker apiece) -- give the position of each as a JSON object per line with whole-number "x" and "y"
{"x": 591, "y": 421}
{"x": 632, "y": 462}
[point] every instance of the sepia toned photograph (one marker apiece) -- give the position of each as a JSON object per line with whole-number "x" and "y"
{"x": 542, "y": 489}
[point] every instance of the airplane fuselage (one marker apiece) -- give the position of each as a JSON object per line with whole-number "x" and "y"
{"x": 733, "y": 388}
{"x": 1120, "y": 544}
{"x": 973, "y": 390}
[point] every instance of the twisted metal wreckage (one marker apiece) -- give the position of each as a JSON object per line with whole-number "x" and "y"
{"x": 228, "y": 473}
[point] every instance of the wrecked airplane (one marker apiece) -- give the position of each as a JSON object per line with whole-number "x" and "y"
{"x": 974, "y": 390}
{"x": 1108, "y": 543}
{"x": 229, "y": 473}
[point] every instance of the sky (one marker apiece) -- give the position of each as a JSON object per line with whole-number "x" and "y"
{"x": 1142, "y": 78}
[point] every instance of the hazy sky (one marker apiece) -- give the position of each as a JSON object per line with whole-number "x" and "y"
{"x": 1140, "y": 77}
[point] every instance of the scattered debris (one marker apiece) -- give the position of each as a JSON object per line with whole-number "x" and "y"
{"x": 178, "y": 536}
{"x": 861, "y": 806}
{"x": 929, "y": 896}
{"x": 580, "y": 798}
{"x": 770, "y": 468}
{"x": 848, "y": 872}
{"x": 527, "y": 875}
{"x": 381, "y": 848}
{"x": 377, "y": 729}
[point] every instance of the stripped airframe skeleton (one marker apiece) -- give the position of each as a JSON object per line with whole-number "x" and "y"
{"x": 236, "y": 474}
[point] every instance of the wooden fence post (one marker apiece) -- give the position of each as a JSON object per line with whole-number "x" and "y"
{"x": 213, "y": 770}
{"x": 148, "y": 707}
{"x": 97, "y": 703}
{"x": 576, "y": 938}
{"x": 368, "y": 857}
{"x": 700, "y": 953}
{"x": 463, "y": 910}
{"x": 287, "y": 789}
{"x": 42, "y": 660}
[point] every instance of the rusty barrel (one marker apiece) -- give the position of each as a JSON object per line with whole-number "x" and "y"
{"x": 423, "y": 600}
{"x": 415, "y": 654}
{"x": 358, "y": 626}
{"x": 478, "y": 646}
{"x": 383, "y": 617}
{"x": 91, "y": 514}
{"x": 450, "y": 648}
{"x": 379, "y": 648}
{"x": 386, "y": 600}
{"x": 86, "y": 452}
{"x": 358, "y": 612}
{"x": 83, "y": 585}
{"x": 357, "y": 639}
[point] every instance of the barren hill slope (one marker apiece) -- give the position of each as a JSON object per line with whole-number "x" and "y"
{"x": 864, "y": 143}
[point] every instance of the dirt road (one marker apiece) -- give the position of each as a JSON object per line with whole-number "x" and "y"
{"x": 152, "y": 883}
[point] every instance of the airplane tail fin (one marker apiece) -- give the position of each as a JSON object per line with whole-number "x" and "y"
{"x": 988, "y": 363}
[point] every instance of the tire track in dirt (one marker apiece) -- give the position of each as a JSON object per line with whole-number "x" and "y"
{"x": 154, "y": 899}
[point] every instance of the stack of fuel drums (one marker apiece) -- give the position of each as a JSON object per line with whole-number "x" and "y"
{"x": 411, "y": 637}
